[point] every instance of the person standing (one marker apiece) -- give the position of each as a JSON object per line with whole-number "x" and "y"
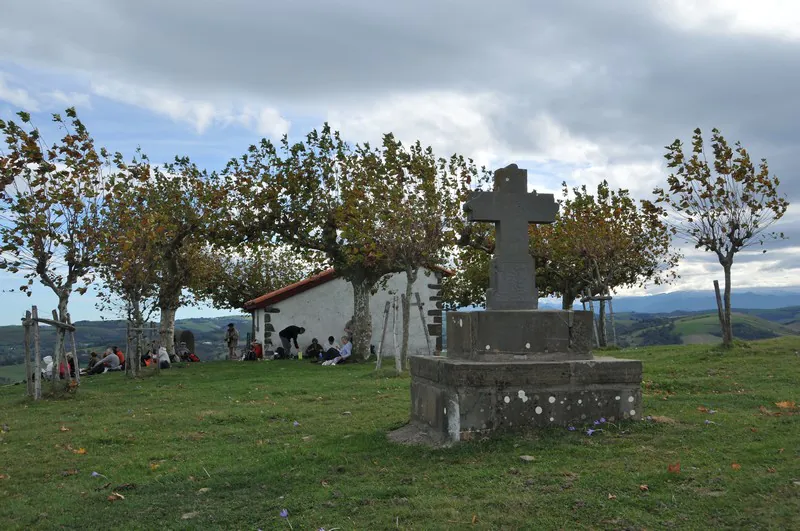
{"x": 288, "y": 335}
{"x": 232, "y": 340}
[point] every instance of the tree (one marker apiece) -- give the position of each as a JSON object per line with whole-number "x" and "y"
{"x": 127, "y": 249}
{"x": 189, "y": 209}
{"x": 52, "y": 208}
{"x": 322, "y": 195}
{"x": 231, "y": 279}
{"x": 722, "y": 207}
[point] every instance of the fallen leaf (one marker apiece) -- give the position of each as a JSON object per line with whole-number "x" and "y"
{"x": 63, "y": 428}
{"x": 736, "y": 466}
{"x": 4, "y": 476}
{"x": 323, "y": 483}
{"x": 114, "y": 496}
{"x": 611, "y": 496}
{"x": 346, "y": 413}
{"x": 203, "y": 490}
{"x": 307, "y": 438}
{"x": 674, "y": 469}
{"x": 80, "y": 451}
{"x": 474, "y": 519}
{"x": 702, "y": 409}
{"x": 753, "y": 430}
{"x": 154, "y": 466}
{"x": 527, "y": 458}
{"x": 70, "y": 472}
{"x": 780, "y": 450}
{"x": 644, "y": 488}
{"x": 785, "y": 405}
{"x": 767, "y": 412}
{"x": 771, "y": 470}
{"x": 188, "y": 516}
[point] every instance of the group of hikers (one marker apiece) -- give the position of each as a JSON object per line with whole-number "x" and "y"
{"x": 331, "y": 353}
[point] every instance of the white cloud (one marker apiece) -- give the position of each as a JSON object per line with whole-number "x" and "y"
{"x": 69, "y": 99}
{"x": 17, "y": 97}
{"x": 450, "y": 122}
{"x": 768, "y": 18}
{"x": 199, "y": 113}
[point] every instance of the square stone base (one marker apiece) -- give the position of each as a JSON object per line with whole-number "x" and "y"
{"x": 455, "y": 400}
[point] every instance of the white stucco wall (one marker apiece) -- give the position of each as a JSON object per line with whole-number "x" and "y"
{"x": 323, "y": 311}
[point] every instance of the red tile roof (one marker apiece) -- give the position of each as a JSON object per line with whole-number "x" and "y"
{"x": 291, "y": 290}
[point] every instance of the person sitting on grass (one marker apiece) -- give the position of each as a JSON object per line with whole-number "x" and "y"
{"x": 92, "y": 361}
{"x": 331, "y": 350}
{"x": 163, "y": 358}
{"x": 344, "y": 354}
{"x": 109, "y": 362}
{"x": 314, "y": 351}
{"x": 120, "y": 355}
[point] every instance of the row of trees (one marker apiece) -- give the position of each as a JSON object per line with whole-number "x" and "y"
{"x": 158, "y": 237}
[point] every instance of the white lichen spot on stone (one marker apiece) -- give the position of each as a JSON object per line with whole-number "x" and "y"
{"x": 580, "y": 401}
{"x": 507, "y": 399}
{"x": 630, "y": 399}
{"x": 561, "y": 402}
{"x": 616, "y": 398}
{"x": 488, "y": 347}
{"x": 552, "y": 419}
{"x": 538, "y": 410}
{"x": 521, "y": 395}
{"x": 461, "y": 323}
{"x": 633, "y": 412}
{"x": 569, "y": 408}
{"x": 552, "y": 400}
{"x": 583, "y": 417}
{"x": 527, "y": 345}
{"x": 445, "y": 411}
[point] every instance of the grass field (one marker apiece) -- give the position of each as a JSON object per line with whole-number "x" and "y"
{"x": 231, "y": 445}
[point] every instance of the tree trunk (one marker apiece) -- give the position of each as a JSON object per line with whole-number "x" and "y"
{"x": 567, "y": 298}
{"x": 411, "y": 278}
{"x": 601, "y": 325}
{"x": 134, "y": 331}
{"x": 398, "y": 364}
{"x": 727, "y": 329}
{"x": 362, "y": 318}
{"x": 166, "y": 331}
{"x": 61, "y": 336}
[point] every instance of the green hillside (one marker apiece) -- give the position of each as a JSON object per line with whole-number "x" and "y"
{"x": 701, "y": 328}
{"x": 99, "y": 335}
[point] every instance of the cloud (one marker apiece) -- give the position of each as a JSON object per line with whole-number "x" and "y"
{"x": 68, "y": 99}
{"x": 17, "y": 97}
{"x": 200, "y": 114}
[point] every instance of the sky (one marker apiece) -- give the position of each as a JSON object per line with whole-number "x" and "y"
{"x": 575, "y": 91}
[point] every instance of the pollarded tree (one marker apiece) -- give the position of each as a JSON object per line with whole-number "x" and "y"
{"x": 127, "y": 251}
{"x": 322, "y": 195}
{"x": 188, "y": 208}
{"x": 721, "y": 207}
{"x": 423, "y": 217}
{"x": 52, "y": 208}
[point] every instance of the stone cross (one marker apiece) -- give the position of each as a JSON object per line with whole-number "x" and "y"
{"x": 512, "y": 273}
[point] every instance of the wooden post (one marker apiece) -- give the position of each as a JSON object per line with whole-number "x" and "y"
{"x": 74, "y": 353}
{"x": 594, "y": 324}
{"x": 37, "y": 386}
{"x": 424, "y": 323}
{"x": 398, "y": 364}
{"x": 613, "y": 325}
{"x": 383, "y": 335}
{"x": 28, "y": 367}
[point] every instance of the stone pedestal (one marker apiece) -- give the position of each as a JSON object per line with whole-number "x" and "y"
{"x": 511, "y": 370}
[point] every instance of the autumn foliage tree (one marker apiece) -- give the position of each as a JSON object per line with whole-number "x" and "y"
{"x": 51, "y": 209}
{"x": 723, "y": 206}
{"x": 323, "y": 195}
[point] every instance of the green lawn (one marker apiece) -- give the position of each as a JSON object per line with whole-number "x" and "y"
{"x": 229, "y": 445}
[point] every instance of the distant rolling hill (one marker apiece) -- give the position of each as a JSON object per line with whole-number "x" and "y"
{"x": 98, "y": 335}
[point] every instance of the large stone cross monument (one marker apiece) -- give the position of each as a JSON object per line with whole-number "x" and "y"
{"x": 513, "y": 366}
{"x": 512, "y": 278}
